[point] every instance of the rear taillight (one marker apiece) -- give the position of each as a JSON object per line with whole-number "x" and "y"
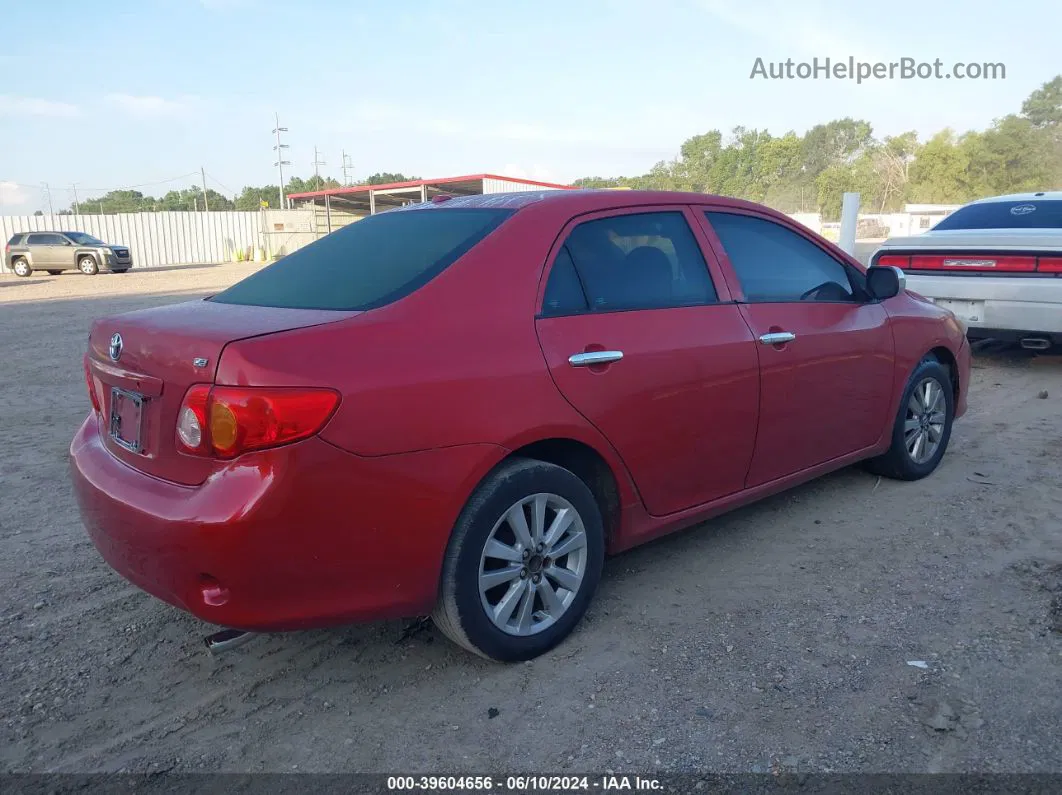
{"x": 980, "y": 263}
{"x": 972, "y": 262}
{"x": 192, "y": 421}
{"x": 227, "y": 421}
{"x": 91, "y": 384}
{"x": 894, "y": 260}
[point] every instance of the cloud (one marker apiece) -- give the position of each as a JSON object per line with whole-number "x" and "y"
{"x": 805, "y": 27}
{"x": 12, "y": 193}
{"x": 33, "y": 106}
{"x": 225, "y": 5}
{"x": 537, "y": 173}
{"x": 150, "y": 107}
{"x": 537, "y": 133}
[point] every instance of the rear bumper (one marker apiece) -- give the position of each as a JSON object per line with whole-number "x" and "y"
{"x": 1030, "y": 305}
{"x": 301, "y": 536}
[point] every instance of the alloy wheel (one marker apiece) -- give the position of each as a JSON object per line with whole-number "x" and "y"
{"x": 533, "y": 564}
{"x": 923, "y": 427}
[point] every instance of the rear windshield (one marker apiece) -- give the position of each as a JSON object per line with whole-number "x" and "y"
{"x": 369, "y": 263}
{"x": 15, "y": 240}
{"x": 1006, "y": 215}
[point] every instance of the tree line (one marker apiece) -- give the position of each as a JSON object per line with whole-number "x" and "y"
{"x": 191, "y": 199}
{"x": 810, "y": 173}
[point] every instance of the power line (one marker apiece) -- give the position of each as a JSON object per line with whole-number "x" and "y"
{"x": 221, "y": 185}
{"x": 125, "y": 187}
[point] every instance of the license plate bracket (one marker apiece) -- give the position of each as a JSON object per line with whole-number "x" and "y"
{"x": 968, "y": 311}
{"x": 127, "y": 409}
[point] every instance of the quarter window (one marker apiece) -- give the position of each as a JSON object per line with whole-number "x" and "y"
{"x": 775, "y": 264}
{"x": 639, "y": 261}
{"x": 564, "y": 293}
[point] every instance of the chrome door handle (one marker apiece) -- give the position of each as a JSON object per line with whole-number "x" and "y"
{"x": 594, "y": 357}
{"x": 777, "y": 338}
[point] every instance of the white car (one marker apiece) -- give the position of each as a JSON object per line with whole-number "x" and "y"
{"x": 995, "y": 263}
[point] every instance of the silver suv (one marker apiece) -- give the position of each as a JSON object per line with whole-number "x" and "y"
{"x": 56, "y": 252}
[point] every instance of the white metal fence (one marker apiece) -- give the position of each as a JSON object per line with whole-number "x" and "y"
{"x": 173, "y": 238}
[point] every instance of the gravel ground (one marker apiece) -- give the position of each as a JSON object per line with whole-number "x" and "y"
{"x": 779, "y": 636}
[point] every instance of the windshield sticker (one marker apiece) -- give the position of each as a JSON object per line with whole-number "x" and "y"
{"x": 1022, "y": 209}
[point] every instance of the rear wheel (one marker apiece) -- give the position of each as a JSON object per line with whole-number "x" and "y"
{"x": 87, "y": 265}
{"x": 22, "y": 267}
{"x": 922, "y": 429}
{"x": 523, "y": 562}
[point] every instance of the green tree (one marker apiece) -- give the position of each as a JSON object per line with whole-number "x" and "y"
{"x": 1012, "y": 156}
{"x": 386, "y": 178}
{"x": 1043, "y": 108}
{"x": 251, "y": 198}
{"x": 938, "y": 173}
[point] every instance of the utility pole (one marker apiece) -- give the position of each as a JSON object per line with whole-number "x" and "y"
{"x": 347, "y": 167}
{"x": 77, "y": 210}
{"x": 206, "y": 204}
{"x": 48, "y": 193}
{"x": 281, "y": 162}
{"x": 317, "y": 163}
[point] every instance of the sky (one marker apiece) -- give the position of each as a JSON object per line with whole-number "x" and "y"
{"x": 106, "y": 94}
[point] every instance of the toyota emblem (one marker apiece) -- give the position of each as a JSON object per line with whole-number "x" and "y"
{"x": 115, "y": 349}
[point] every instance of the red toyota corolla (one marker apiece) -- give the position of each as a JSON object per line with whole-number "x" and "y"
{"x": 459, "y": 408}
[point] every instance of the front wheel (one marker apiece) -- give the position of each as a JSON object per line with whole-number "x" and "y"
{"x": 523, "y": 562}
{"x": 923, "y": 425}
{"x": 87, "y": 265}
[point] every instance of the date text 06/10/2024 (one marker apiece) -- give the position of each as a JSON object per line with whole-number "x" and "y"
{"x": 521, "y": 783}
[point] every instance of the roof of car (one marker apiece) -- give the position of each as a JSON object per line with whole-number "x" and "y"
{"x": 1043, "y": 195}
{"x": 587, "y": 199}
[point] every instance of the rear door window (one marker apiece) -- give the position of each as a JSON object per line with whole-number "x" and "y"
{"x": 369, "y": 263}
{"x": 1006, "y": 215}
{"x": 636, "y": 261}
{"x": 46, "y": 240}
{"x": 775, "y": 264}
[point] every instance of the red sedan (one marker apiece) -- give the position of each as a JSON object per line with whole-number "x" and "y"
{"x": 460, "y": 408}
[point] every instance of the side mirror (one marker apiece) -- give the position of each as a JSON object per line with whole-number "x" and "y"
{"x": 885, "y": 281}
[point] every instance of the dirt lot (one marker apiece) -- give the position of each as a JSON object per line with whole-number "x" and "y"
{"x": 779, "y": 635}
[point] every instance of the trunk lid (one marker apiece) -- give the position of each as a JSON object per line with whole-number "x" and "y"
{"x": 162, "y": 352}
{"x": 1047, "y": 240}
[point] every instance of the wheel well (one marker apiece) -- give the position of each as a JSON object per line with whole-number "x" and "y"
{"x": 945, "y": 357}
{"x": 588, "y": 465}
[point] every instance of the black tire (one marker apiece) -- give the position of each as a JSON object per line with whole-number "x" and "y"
{"x": 21, "y": 266}
{"x": 898, "y": 462}
{"x": 460, "y": 612}
{"x": 88, "y": 265}
{"x": 54, "y": 273}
